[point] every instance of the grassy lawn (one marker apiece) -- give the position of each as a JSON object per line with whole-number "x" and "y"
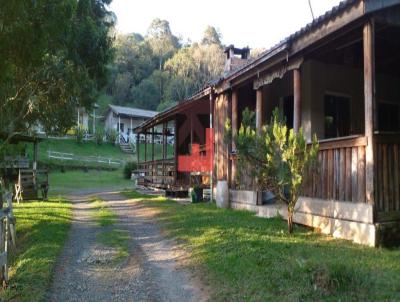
{"x": 61, "y": 183}
{"x": 87, "y": 148}
{"x": 110, "y": 237}
{"x": 42, "y": 229}
{"x": 102, "y": 215}
{"x": 246, "y": 258}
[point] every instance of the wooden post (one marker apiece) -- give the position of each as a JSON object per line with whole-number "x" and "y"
{"x": 176, "y": 145}
{"x": 296, "y": 100}
{"x": 138, "y": 147}
{"x": 234, "y": 133}
{"x": 130, "y": 132}
{"x": 212, "y": 147}
{"x": 145, "y": 146}
{"x": 152, "y": 155}
{"x": 119, "y": 129}
{"x": 35, "y": 155}
{"x": 259, "y": 124}
{"x": 260, "y": 119}
{"x": 369, "y": 95}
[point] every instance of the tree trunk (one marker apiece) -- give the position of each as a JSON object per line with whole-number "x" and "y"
{"x": 290, "y": 222}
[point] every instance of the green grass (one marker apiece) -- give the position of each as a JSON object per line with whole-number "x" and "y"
{"x": 117, "y": 239}
{"x": 246, "y": 258}
{"x": 42, "y": 229}
{"x": 110, "y": 237}
{"x": 62, "y": 183}
{"x": 87, "y": 148}
{"x": 102, "y": 215}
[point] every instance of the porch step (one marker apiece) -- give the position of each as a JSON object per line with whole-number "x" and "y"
{"x": 126, "y": 148}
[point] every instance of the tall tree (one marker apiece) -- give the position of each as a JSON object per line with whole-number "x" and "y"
{"x": 54, "y": 55}
{"x": 162, "y": 41}
{"x": 211, "y": 36}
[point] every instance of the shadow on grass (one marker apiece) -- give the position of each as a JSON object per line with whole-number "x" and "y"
{"x": 42, "y": 229}
{"x": 252, "y": 258}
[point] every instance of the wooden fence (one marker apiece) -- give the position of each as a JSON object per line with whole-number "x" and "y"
{"x": 340, "y": 172}
{"x": 95, "y": 159}
{"x": 7, "y": 235}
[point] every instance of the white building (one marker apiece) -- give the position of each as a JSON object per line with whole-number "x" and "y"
{"x": 124, "y": 119}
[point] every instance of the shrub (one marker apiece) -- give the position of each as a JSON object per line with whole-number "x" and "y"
{"x": 128, "y": 168}
{"x": 278, "y": 157}
{"x": 79, "y": 132}
{"x": 112, "y": 135}
{"x": 99, "y": 137}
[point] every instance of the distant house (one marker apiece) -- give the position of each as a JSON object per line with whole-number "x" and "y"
{"x": 124, "y": 119}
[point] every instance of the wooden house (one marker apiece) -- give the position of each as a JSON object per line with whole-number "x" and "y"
{"x": 339, "y": 78}
{"x": 125, "y": 119}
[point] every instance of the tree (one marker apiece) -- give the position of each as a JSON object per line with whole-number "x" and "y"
{"x": 161, "y": 40}
{"x": 54, "y": 56}
{"x": 122, "y": 87}
{"x": 211, "y": 36}
{"x": 278, "y": 157}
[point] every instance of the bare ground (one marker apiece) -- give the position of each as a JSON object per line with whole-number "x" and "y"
{"x": 153, "y": 271}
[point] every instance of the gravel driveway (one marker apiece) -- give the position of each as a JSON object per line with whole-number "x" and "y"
{"x": 152, "y": 272}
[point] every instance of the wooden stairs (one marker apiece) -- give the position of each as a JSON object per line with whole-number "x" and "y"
{"x": 126, "y": 148}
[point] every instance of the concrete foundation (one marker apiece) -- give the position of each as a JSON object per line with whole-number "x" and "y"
{"x": 345, "y": 220}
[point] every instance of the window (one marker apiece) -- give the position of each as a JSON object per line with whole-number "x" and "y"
{"x": 337, "y": 116}
{"x": 288, "y": 110}
{"x": 388, "y": 116}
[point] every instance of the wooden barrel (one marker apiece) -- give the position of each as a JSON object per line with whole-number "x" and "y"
{"x": 222, "y": 197}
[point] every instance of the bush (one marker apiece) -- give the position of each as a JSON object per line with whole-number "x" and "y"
{"x": 128, "y": 168}
{"x": 99, "y": 137}
{"x": 79, "y": 132}
{"x": 112, "y": 135}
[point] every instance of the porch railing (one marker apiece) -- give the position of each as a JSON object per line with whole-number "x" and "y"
{"x": 387, "y": 175}
{"x": 340, "y": 172}
{"x": 157, "y": 173}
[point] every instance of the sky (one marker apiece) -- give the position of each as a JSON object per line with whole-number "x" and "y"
{"x": 253, "y": 23}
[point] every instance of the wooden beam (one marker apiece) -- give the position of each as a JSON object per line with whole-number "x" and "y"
{"x": 138, "y": 147}
{"x": 297, "y": 99}
{"x": 176, "y": 150}
{"x": 234, "y": 134}
{"x": 260, "y": 116}
{"x": 369, "y": 95}
{"x": 145, "y": 147}
{"x": 35, "y": 155}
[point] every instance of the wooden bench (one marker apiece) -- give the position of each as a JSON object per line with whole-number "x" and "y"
{"x": 29, "y": 183}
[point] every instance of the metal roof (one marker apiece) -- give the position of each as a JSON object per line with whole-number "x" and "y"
{"x": 133, "y": 112}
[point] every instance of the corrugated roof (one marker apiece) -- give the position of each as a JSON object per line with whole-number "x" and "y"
{"x": 132, "y": 111}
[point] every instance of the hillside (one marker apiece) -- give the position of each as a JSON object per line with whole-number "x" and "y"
{"x": 88, "y": 148}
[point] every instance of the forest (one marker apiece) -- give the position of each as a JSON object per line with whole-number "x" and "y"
{"x": 157, "y": 70}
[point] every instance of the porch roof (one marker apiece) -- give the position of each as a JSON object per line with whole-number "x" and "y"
{"x": 169, "y": 112}
{"x": 132, "y": 112}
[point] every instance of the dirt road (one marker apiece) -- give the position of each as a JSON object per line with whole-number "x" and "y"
{"x": 152, "y": 271}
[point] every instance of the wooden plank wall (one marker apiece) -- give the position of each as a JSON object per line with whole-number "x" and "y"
{"x": 387, "y": 173}
{"x": 340, "y": 171}
{"x": 243, "y": 178}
